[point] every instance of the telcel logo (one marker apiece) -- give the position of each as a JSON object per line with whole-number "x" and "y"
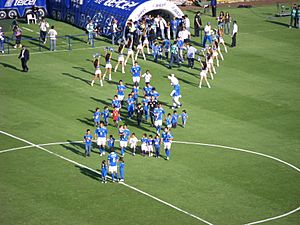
{"x": 120, "y": 4}
{"x": 24, "y": 2}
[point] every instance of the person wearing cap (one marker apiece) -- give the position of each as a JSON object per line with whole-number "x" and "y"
{"x": 207, "y": 34}
{"x": 24, "y": 57}
{"x": 2, "y": 38}
{"x": 197, "y": 24}
{"x": 234, "y": 33}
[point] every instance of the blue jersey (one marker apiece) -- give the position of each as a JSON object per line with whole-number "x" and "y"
{"x": 155, "y": 49}
{"x": 111, "y": 142}
{"x": 144, "y": 140}
{"x": 167, "y": 44}
{"x": 148, "y": 90}
{"x": 97, "y": 116}
{"x": 174, "y": 118}
{"x": 130, "y": 102}
{"x": 121, "y": 88}
{"x": 112, "y": 158}
{"x": 180, "y": 43}
{"x": 174, "y": 24}
{"x": 101, "y": 132}
{"x": 136, "y": 71}
{"x": 103, "y": 169}
{"x": 176, "y": 91}
{"x": 88, "y": 139}
{"x": 105, "y": 113}
{"x": 126, "y": 134}
{"x": 122, "y": 168}
{"x": 145, "y": 102}
{"x": 156, "y": 142}
{"x": 158, "y": 112}
{"x": 168, "y": 121}
{"x": 116, "y": 103}
{"x": 150, "y": 142}
{"x": 135, "y": 90}
{"x": 184, "y": 116}
{"x": 155, "y": 94}
{"x": 166, "y": 137}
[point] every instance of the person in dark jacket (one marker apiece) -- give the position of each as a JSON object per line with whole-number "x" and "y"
{"x": 197, "y": 24}
{"x": 24, "y": 57}
{"x": 152, "y": 105}
{"x": 139, "y": 113}
{"x": 213, "y": 4}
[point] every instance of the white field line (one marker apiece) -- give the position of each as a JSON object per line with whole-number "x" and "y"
{"x": 25, "y": 28}
{"x": 52, "y": 52}
{"x": 208, "y": 145}
{"x": 126, "y": 185}
{"x": 14, "y": 149}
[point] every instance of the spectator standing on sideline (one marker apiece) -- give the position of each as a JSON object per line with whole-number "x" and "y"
{"x": 174, "y": 27}
{"x": 298, "y": 17}
{"x": 187, "y": 23}
{"x": 213, "y": 4}
{"x": 90, "y": 32}
{"x": 234, "y": 33}
{"x": 43, "y": 29}
{"x": 207, "y": 34}
{"x": 24, "y": 57}
{"x": 52, "y": 35}
{"x": 197, "y": 24}
{"x": 293, "y": 22}
{"x": 2, "y": 38}
{"x": 18, "y": 36}
{"x": 115, "y": 29}
{"x": 227, "y": 23}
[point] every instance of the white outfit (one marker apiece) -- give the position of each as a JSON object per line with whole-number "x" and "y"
{"x": 147, "y": 77}
{"x": 52, "y": 34}
{"x": 167, "y": 145}
{"x": 112, "y": 169}
{"x": 121, "y": 58}
{"x": 133, "y": 141}
{"x": 144, "y": 147}
{"x": 136, "y": 79}
{"x": 203, "y": 73}
{"x": 184, "y": 34}
{"x": 123, "y": 144}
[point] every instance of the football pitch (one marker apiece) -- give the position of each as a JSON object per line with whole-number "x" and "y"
{"x": 236, "y": 161}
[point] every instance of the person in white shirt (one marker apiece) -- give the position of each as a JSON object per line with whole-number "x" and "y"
{"x": 133, "y": 141}
{"x": 207, "y": 34}
{"x": 162, "y": 25}
{"x": 52, "y": 35}
{"x": 187, "y": 23}
{"x": 2, "y": 38}
{"x": 191, "y": 52}
{"x": 234, "y": 33}
{"x": 115, "y": 29}
{"x": 147, "y": 76}
{"x": 184, "y": 34}
{"x": 44, "y": 25}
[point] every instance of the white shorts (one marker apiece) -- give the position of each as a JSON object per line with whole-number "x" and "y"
{"x": 101, "y": 141}
{"x": 167, "y": 145}
{"x": 203, "y": 73}
{"x": 123, "y": 144}
{"x": 120, "y": 97}
{"x": 146, "y": 42}
{"x": 121, "y": 58}
{"x": 158, "y": 123}
{"x": 98, "y": 72}
{"x": 132, "y": 145}
{"x": 150, "y": 148}
{"x": 221, "y": 40}
{"x": 215, "y": 54}
{"x": 144, "y": 147}
{"x": 136, "y": 79}
{"x": 130, "y": 51}
{"x": 112, "y": 169}
{"x": 108, "y": 66}
{"x": 169, "y": 126}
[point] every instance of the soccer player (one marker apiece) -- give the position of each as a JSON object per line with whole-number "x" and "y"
{"x": 174, "y": 119}
{"x": 158, "y": 117}
{"x": 157, "y": 146}
{"x": 105, "y": 115}
{"x": 120, "y": 89}
{"x": 96, "y": 117}
{"x": 116, "y": 103}
{"x": 145, "y": 103}
{"x": 147, "y": 76}
{"x": 150, "y": 144}
{"x": 133, "y": 142}
{"x": 144, "y": 147}
{"x": 136, "y": 73}
{"x": 100, "y": 135}
{"x": 121, "y": 167}
{"x": 112, "y": 164}
{"x": 175, "y": 94}
{"x": 116, "y": 116}
{"x": 103, "y": 171}
{"x": 154, "y": 93}
{"x": 111, "y": 142}
{"x": 147, "y": 89}
{"x": 184, "y": 116}
{"x": 169, "y": 120}
{"x": 124, "y": 135}
{"x": 88, "y": 142}
{"x": 135, "y": 94}
{"x": 130, "y": 106}
{"x": 166, "y": 139}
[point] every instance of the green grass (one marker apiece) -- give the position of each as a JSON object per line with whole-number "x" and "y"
{"x": 253, "y": 104}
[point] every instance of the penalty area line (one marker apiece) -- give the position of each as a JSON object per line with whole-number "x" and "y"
{"x": 95, "y": 171}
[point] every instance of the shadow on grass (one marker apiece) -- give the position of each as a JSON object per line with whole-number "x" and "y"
{"x": 76, "y": 78}
{"x": 83, "y": 70}
{"x": 89, "y": 173}
{"x": 9, "y": 66}
{"x": 278, "y": 23}
{"x": 87, "y": 121}
{"x": 75, "y": 148}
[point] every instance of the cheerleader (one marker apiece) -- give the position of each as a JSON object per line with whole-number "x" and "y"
{"x": 215, "y": 54}
{"x": 130, "y": 53}
{"x": 96, "y": 63}
{"x": 108, "y": 65}
{"x": 216, "y": 44}
{"x": 210, "y": 64}
{"x": 221, "y": 40}
{"x": 140, "y": 49}
{"x": 120, "y": 58}
{"x": 203, "y": 75}
{"x": 146, "y": 41}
